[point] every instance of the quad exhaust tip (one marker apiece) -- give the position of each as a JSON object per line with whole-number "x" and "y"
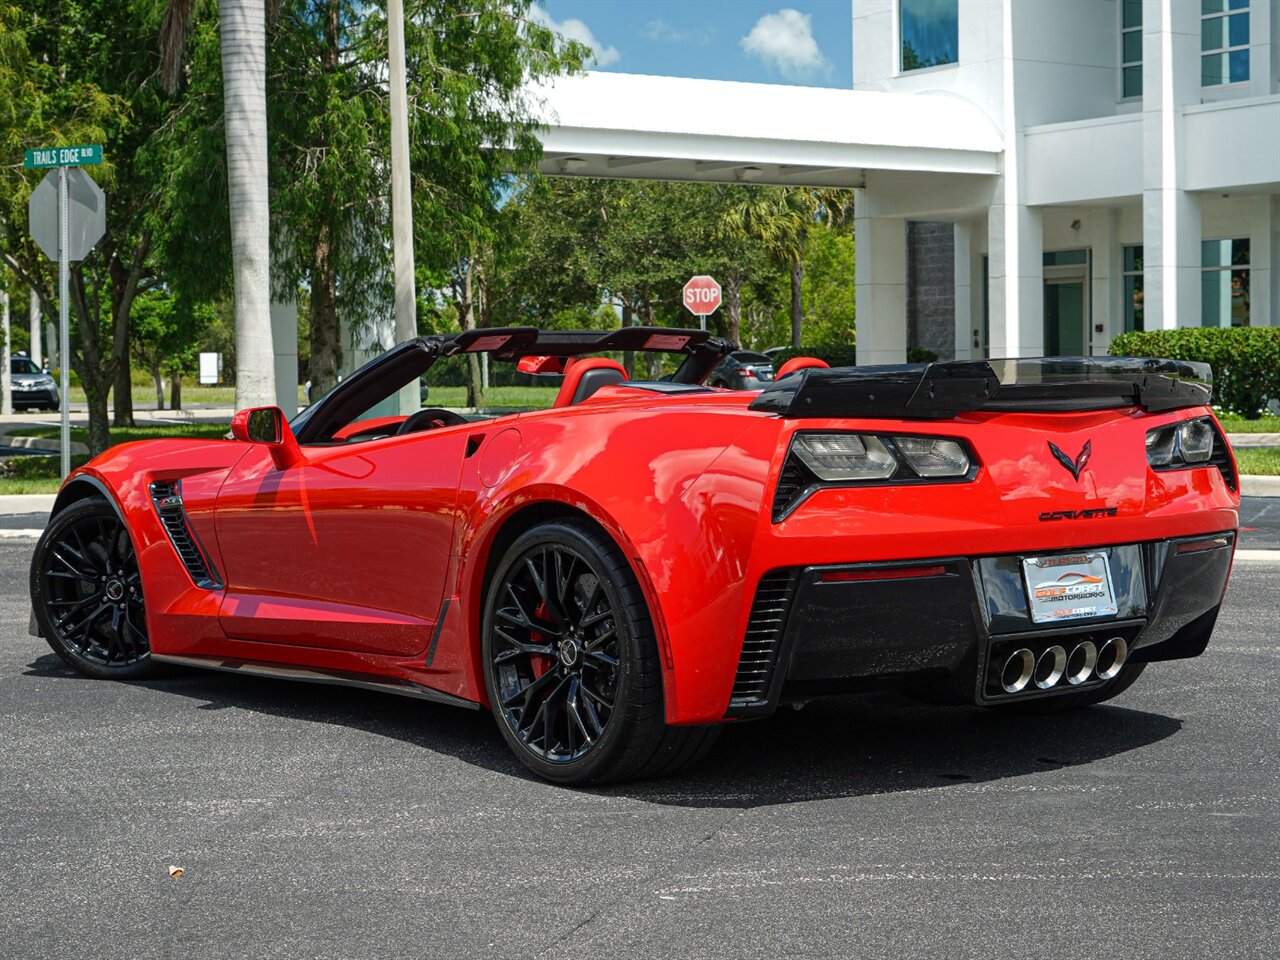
{"x": 1050, "y": 667}
{"x": 1086, "y": 661}
{"x": 1081, "y": 662}
{"x": 1017, "y": 670}
{"x": 1111, "y": 657}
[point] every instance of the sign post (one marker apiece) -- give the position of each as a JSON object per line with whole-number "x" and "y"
{"x": 702, "y": 297}
{"x": 80, "y": 222}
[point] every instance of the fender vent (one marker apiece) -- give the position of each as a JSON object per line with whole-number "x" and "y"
{"x": 794, "y": 482}
{"x": 1221, "y": 459}
{"x": 167, "y": 497}
{"x": 763, "y": 640}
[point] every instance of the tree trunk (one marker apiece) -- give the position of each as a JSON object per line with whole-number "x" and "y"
{"x": 326, "y": 332}
{"x": 242, "y": 29}
{"x": 122, "y": 407}
{"x": 475, "y": 390}
{"x": 733, "y": 305}
{"x": 175, "y": 391}
{"x": 797, "y": 311}
{"x": 628, "y": 357}
{"x": 155, "y": 375}
{"x": 95, "y": 394}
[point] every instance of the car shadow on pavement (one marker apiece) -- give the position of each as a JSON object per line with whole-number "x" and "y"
{"x": 848, "y": 747}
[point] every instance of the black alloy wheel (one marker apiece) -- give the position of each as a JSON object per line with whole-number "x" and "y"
{"x": 571, "y": 663}
{"x": 558, "y": 674}
{"x": 86, "y": 591}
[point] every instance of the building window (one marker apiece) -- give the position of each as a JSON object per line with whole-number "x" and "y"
{"x": 1224, "y": 42}
{"x": 1133, "y": 297}
{"x": 1131, "y": 48}
{"x": 1065, "y": 258}
{"x": 930, "y": 32}
{"x": 1224, "y": 283}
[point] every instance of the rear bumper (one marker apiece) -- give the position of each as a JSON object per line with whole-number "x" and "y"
{"x": 944, "y": 626}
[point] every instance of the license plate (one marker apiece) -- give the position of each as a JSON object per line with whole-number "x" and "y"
{"x": 1069, "y": 586}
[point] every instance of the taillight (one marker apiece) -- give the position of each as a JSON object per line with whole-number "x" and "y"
{"x": 821, "y": 459}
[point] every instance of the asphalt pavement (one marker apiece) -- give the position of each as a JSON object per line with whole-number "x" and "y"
{"x": 323, "y": 822}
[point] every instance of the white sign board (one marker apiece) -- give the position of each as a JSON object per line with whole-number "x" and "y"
{"x": 210, "y": 364}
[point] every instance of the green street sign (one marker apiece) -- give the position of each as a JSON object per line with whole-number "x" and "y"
{"x": 43, "y": 157}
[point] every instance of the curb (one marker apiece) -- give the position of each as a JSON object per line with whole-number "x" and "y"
{"x": 47, "y": 444}
{"x": 1254, "y": 439}
{"x": 1260, "y": 486}
{"x": 27, "y": 503}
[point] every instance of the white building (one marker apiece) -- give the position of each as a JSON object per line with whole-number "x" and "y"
{"x": 1034, "y": 176}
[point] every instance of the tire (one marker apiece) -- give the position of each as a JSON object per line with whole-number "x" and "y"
{"x": 86, "y": 591}
{"x": 1125, "y": 679}
{"x": 579, "y": 700}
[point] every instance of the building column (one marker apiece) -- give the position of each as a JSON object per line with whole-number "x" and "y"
{"x": 1015, "y": 237}
{"x": 880, "y": 275}
{"x": 1106, "y": 281}
{"x": 1264, "y": 235}
{"x": 1171, "y": 228}
{"x": 966, "y": 315}
{"x": 284, "y": 337}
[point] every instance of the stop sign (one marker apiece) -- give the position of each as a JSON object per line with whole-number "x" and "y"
{"x": 702, "y": 296}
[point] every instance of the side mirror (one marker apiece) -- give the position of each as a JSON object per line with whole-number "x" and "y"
{"x": 267, "y": 425}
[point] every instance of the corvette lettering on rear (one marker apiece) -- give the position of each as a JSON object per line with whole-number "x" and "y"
{"x": 1096, "y": 513}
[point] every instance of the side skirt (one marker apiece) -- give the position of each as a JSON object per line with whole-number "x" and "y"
{"x": 364, "y": 681}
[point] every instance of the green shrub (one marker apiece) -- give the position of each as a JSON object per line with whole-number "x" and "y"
{"x": 1245, "y": 360}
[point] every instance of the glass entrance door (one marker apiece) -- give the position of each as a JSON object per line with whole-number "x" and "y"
{"x": 1064, "y": 318}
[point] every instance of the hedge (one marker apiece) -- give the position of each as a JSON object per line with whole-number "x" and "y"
{"x": 1245, "y": 360}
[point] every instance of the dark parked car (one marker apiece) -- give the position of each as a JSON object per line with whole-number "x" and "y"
{"x": 743, "y": 370}
{"x": 32, "y": 387}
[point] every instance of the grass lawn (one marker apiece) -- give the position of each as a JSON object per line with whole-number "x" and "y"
{"x": 1233, "y": 424}
{"x": 533, "y": 398}
{"x": 144, "y": 398}
{"x": 1259, "y": 461}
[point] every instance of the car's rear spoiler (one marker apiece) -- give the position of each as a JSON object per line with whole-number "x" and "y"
{"x": 942, "y": 390}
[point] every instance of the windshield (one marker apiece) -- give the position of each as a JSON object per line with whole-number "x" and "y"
{"x": 23, "y": 365}
{"x": 745, "y": 356}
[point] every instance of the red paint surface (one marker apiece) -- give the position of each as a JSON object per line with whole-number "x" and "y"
{"x": 343, "y": 561}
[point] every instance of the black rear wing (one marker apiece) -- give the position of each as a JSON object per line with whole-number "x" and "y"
{"x": 937, "y": 391}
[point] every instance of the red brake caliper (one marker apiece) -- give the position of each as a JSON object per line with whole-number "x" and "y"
{"x": 539, "y": 663}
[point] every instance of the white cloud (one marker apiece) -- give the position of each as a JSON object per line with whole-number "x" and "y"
{"x": 573, "y": 29}
{"x": 659, "y": 31}
{"x": 784, "y": 41}
{"x": 662, "y": 32}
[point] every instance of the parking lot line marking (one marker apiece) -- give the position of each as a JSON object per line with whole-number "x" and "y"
{"x": 1258, "y": 556}
{"x": 32, "y": 533}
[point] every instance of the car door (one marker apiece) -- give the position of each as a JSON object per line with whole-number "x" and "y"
{"x": 348, "y": 549}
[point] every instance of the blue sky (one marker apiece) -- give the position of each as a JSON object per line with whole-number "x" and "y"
{"x": 805, "y": 42}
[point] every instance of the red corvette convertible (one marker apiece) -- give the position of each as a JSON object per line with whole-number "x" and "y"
{"x": 618, "y": 575}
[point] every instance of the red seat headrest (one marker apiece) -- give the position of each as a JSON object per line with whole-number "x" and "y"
{"x": 585, "y": 376}
{"x": 800, "y": 363}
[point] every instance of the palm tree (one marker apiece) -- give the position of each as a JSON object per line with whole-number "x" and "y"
{"x": 242, "y": 26}
{"x": 779, "y": 218}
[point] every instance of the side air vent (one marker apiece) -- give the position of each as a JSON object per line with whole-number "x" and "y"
{"x": 167, "y": 497}
{"x": 763, "y": 640}
{"x": 793, "y": 483}
{"x": 1221, "y": 459}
